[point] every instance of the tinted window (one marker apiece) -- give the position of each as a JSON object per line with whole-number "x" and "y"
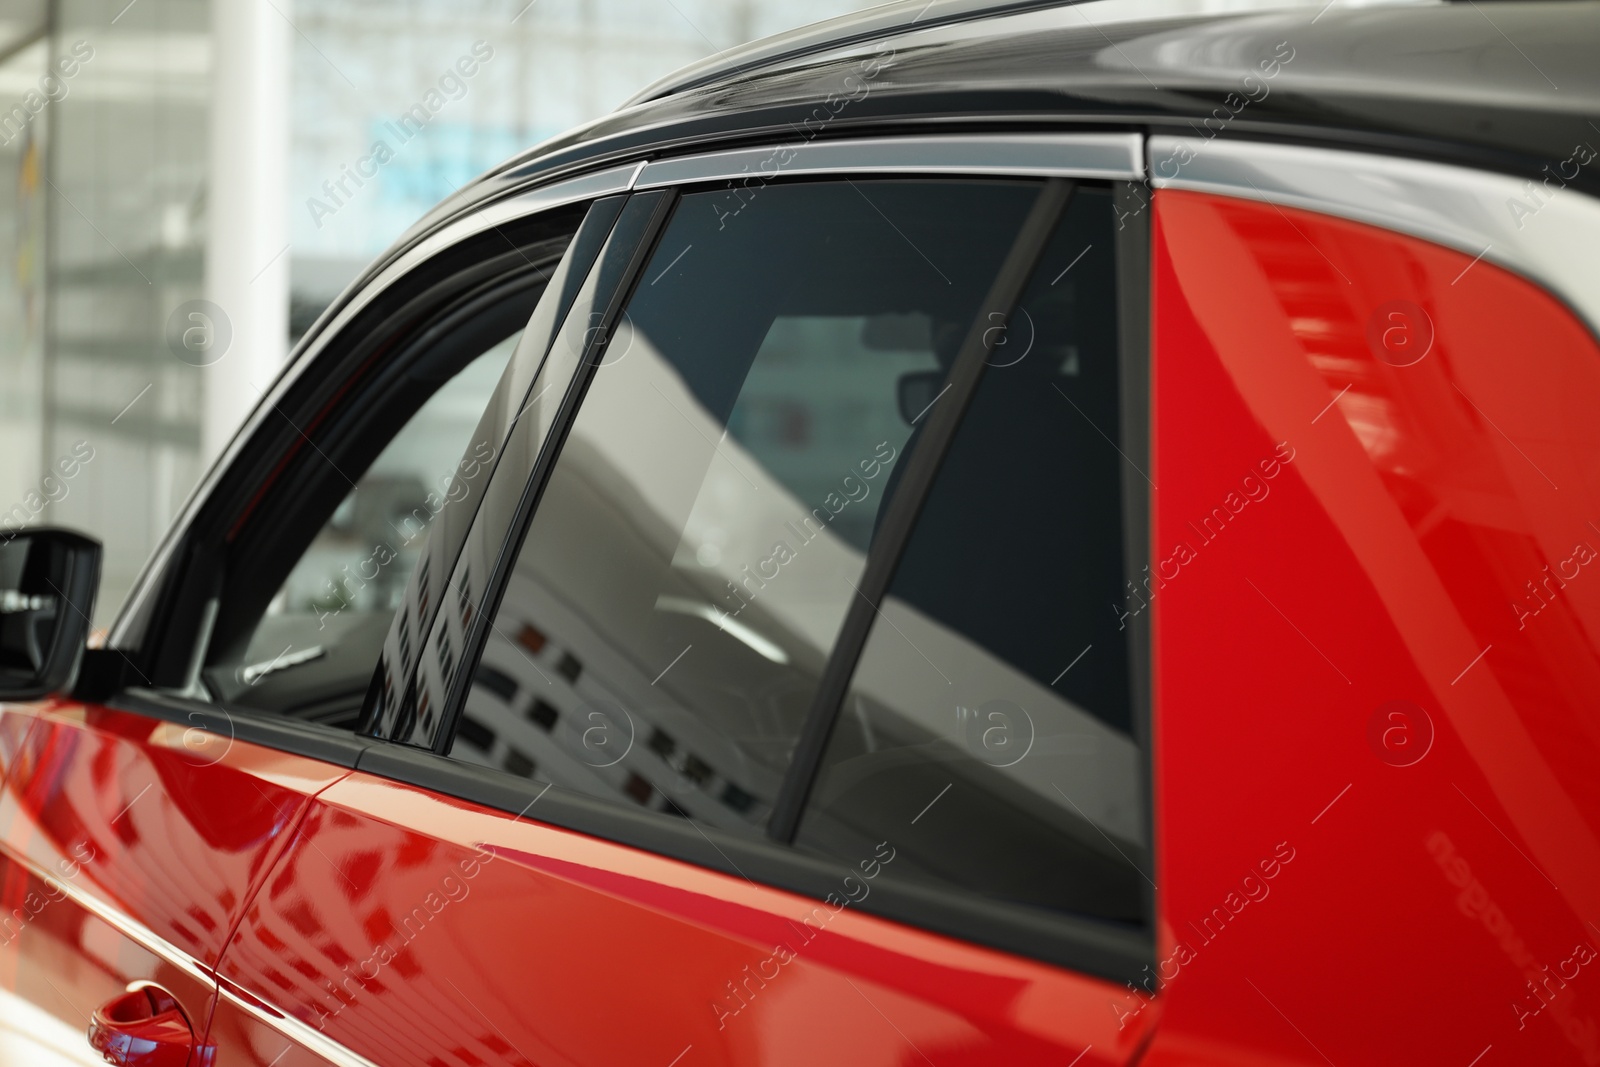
{"x": 682, "y": 582}
{"x": 313, "y": 650}
{"x": 987, "y": 732}
{"x": 439, "y": 603}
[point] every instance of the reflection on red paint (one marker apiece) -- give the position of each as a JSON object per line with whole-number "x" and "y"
{"x": 1438, "y": 468}
{"x": 401, "y": 924}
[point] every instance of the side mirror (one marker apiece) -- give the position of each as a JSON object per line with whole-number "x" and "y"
{"x": 48, "y": 579}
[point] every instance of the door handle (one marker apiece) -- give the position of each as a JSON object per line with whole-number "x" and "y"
{"x": 143, "y": 1027}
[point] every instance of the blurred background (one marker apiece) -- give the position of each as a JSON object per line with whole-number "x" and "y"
{"x": 156, "y": 153}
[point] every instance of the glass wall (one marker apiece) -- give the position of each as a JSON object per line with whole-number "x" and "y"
{"x": 125, "y": 200}
{"x": 22, "y": 261}
{"x": 380, "y": 85}
{"x": 104, "y": 115}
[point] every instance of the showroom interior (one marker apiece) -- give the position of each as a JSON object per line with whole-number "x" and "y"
{"x": 215, "y": 152}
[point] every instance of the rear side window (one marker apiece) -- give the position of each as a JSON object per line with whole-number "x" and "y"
{"x": 701, "y": 538}
{"x": 987, "y": 734}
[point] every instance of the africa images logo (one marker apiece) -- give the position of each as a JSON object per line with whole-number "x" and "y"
{"x": 452, "y": 86}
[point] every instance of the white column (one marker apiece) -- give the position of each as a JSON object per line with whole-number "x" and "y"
{"x": 247, "y": 210}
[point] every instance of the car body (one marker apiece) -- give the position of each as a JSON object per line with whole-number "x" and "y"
{"x": 1116, "y": 478}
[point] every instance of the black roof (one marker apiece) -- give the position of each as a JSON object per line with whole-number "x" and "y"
{"x": 1508, "y": 86}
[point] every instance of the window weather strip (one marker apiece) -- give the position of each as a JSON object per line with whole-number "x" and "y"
{"x": 1131, "y": 204}
{"x": 1014, "y": 155}
{"x": 944, "y": 418}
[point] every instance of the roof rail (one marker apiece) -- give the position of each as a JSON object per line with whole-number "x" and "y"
{"x": 873, "y": 23}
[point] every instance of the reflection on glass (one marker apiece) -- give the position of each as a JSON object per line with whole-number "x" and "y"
{"x": 699, "y": 542}
{"x": 987, "y": 732}
{"x": 419, "y": 661}
{"x": 325, "y": 625}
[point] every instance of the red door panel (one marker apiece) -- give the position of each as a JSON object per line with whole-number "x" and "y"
{"x": 1376, "y": 670}
{"x": 62, "y": 962}
{"x": 128, "y": 847}
{"x": 415, "y": 929}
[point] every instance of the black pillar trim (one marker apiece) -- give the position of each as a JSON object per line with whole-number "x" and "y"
{"x": 1133, "y": 209}
{"x": 593, "y": 353}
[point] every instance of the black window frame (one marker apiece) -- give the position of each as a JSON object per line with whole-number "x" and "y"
{"x": 614, "y": 226}
{"x": 1079, "y": 943}
{"x": 332, "y": 400}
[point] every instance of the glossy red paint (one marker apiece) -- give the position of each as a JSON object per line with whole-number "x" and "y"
{"x": 128, "y": 847}
{"x": 144, "y": 1027}
{"x": 1377, "y": 474}
{"x": 64, "y": 963}
{"x": 416, "y": 929}
{"x": 173, "y": 825}
{"x": 60, "y": 959}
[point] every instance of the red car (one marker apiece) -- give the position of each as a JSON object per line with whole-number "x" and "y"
{"x": 1016, "y": 535}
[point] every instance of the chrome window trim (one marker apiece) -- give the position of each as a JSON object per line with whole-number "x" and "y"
{"x": 1066, "y": 155}
{"x": 1554, "y": 242}
{"x": 351, "y": 303}
{"x": 584, "y": 187}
